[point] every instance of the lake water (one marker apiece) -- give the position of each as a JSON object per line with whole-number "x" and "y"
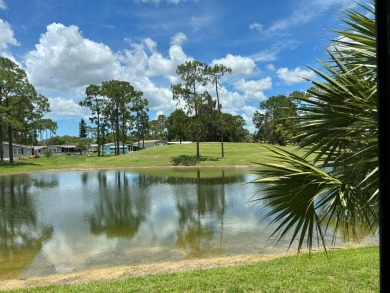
{"x": 73, "y": 221}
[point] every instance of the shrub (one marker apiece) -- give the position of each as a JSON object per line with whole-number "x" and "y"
{"x": 47, "y": 153}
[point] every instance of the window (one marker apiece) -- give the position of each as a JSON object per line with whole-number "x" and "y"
{"x": 18, "y": 151}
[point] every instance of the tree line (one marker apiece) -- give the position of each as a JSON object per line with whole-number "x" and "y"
{"x": 121, "y": 114}
{"x": 21, "y": 108}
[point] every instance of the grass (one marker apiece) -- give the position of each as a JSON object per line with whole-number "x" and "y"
{"x": 162, "y": 156}
{"x": 346, "y": 270}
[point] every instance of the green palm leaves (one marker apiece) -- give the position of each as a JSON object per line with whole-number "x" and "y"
{"x": 338, "y": 129}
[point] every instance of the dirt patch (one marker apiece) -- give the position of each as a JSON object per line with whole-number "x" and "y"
{"x": 115, "y": 273}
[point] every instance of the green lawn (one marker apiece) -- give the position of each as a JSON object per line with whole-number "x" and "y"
{"x": 165, "y": 156}
{"x": 348, "y": 270}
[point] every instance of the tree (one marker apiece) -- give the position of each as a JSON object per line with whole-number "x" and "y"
{"x": 140, "y": 107}
{"x": 95, "y": 101}
{"x": 177, "y": 125}
{"x": 82, "y": 129}
{"x": 276, "y": 121}
{"x": 20, "y": 104}
{"x": 339, "y": 128}
{"x": 119, "y": 94}
{"x": 82, "y": 144}
{"x": 216, "y": 72}
{"x": 194, "y": 76}
{"x": 234, "y": 129}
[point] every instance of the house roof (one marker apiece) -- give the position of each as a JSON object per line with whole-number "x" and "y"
{"x": 16, "y": 144}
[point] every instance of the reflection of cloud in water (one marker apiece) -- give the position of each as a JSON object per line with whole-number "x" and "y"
{"x": 67, "y": 255}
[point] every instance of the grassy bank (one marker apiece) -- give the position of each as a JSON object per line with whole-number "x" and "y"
{"x": 346, "y": 270}
{"x": 162, "y": 156}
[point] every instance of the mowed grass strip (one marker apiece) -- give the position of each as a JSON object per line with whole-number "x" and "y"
{"x": 345, "y": 270}
{"x": 162, "y": 156}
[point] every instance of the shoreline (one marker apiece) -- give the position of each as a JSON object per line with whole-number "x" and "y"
{"x": 127, "y": 167}
{"x": 121, "y": 272}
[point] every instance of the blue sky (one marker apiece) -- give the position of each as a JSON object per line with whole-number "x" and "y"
{"x": 64, "y": 46}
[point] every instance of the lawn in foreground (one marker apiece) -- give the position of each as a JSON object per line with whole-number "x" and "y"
{"x": 345, "y": 270}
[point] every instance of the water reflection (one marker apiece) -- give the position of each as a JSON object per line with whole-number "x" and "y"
{"x": 119, "y": 215}
{"x": 72, "y": 221}
{"x": 21, "y": 234}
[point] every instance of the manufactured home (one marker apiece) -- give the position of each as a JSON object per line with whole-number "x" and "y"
{"x": 146, "y": 144}
{"x": 18, "y": 150}
{"x": 109, "y": 148}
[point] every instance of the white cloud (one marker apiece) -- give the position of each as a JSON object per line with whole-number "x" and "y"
{"x": 238, "y": 64}
{"x": 254, "y": 85}
{"x": 304, "y": 11}
{"x": 64, "y": 60}
{"x": 3, "y": 6}
{"x": 255, "y": 26}
{"x": 178, "y": 39}
{"x": 249, "y": 111}
{"x": 61, "y": 108}
{"x": 270, "y": 67}
{"x": 6, "y": 35}
{"x": 297, "y": 75}
{"x": 254, "y": 89}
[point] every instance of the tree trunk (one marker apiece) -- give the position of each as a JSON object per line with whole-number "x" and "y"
{"x": 10, "y": 148}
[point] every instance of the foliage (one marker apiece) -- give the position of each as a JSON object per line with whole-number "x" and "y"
{"x": 47, "y": 153}
{"x": 275, "y": 121}
{"x": 194, "y": 76}
{"x": 95, "y": 101}
{"x": 177, "y": 124}
{"x": 215, "y": 73}
{"x": 20, "y": 105}
{"x": 82, "y": 144}
{"x": 82, "y": 129}
{"x": 338, "y": 128}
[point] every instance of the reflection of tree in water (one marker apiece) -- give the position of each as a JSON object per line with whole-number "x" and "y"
{"x": 122, "y": 206}
{"x": 193, "y": 234}
{"x": 47, "y": 181}
{"x": 21, "y": 236}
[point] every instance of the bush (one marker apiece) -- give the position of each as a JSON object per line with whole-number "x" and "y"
{"x": 47, "y": 153}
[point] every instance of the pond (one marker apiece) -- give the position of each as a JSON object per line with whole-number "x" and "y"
{"x": 78, "y": 220}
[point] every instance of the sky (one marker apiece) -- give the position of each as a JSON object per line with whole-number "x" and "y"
{"x": 64, "y": 46}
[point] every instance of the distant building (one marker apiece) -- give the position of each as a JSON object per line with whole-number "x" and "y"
{"x": 109, "y": 148}
{"x": 146, "y": 144}
{"x": 62, "y": 149}
{"x": 19, "y": 150}
{"x": 178, "y": 142}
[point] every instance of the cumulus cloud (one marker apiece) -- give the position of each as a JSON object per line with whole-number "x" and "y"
{"x": 178, "y": 39}
{"x": 254, "y": 89}
{"x": 63, "y": 60}
{"x": 6, "y": 35}
{"x": 248, "y": 112}
{"x": 61, "y": 108}
{"x": 3, "y": 6}
{"x": 294, "y": 76}
{"x": 238, "y": 64}
{"x": 255, "y": 26}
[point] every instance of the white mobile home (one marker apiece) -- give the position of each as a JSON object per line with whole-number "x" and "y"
{"x": 109, "y": 148}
